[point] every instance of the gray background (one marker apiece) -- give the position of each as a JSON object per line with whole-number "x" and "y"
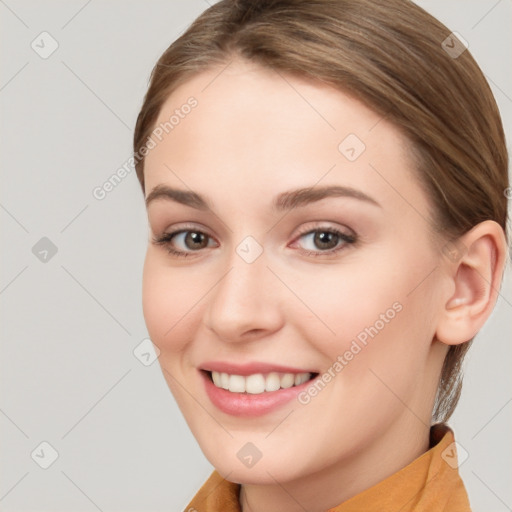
{"x": 70, "y": 324}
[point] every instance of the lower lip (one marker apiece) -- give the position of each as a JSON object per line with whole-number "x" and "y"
{"x": 247, "y": 404}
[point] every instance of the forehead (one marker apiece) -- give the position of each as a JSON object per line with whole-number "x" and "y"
{"x": 260, "y": 130}
{"x": 270, "y": 105}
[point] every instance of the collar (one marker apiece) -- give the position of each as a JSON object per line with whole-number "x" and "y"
{"x": 430, "y": 483}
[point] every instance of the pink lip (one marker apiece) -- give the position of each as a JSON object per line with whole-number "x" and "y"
{"x": 249, "y": 368}
{"x": 247, "y": 404}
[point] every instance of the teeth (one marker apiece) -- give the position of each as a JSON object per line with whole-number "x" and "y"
{"x": 272, "y": 382}
{"x": 287, "y": 380}
{"x": 300, "y": 378}
{"x": 254, "y": 384}
{"x": 237, "y": 384}
{"x": 258, "y": 383}
{"x": 216, "y": 379}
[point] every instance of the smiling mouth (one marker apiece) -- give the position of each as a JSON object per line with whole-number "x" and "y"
{"x": 258, "y": 383}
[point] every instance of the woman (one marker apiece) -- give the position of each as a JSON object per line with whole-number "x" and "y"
{"x": 324, "y": 183}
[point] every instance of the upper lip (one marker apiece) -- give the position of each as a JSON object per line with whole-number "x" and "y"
{"x": 249, "y": 368}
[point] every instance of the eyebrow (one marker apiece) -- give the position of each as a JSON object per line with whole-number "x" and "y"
{"x": 284, "y": 201}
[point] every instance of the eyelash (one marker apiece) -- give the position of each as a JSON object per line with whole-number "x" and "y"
{"x": 347, "y": 239}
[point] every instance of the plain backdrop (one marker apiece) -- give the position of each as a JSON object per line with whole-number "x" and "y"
{"x": 70, "y": 285}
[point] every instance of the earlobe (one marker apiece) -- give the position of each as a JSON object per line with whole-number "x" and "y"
{"x": 475, "y": 277}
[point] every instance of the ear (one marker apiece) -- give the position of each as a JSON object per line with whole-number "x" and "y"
{"x": 474, "y": 266}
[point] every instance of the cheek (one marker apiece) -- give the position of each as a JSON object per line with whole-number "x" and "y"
{"x": 374, "y": 313}
{"x": 170, "y": 298}
{"x": 344, "y": 302}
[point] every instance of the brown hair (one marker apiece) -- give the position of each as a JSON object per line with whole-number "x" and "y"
{"x": 391, "y": 56}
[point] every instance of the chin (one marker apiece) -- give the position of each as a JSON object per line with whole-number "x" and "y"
{"x": 240, "y": 461}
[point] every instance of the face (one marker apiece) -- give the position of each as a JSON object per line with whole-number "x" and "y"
{"x": 290, "y": 261}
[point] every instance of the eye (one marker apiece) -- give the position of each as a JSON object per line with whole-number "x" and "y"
{"x": 184, "y": 242}
{"x": 325, "y": 240}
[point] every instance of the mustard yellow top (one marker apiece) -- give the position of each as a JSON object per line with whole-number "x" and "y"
{"x": 430, "y": 483}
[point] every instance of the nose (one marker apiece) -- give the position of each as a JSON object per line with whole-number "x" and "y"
{"x": 245, "y": 304}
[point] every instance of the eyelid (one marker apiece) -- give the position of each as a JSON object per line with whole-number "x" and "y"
{"x": 323, "y": 225}
{"x": 188, "y": 226}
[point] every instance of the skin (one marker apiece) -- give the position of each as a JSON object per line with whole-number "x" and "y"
{"x": 254, "y": 134}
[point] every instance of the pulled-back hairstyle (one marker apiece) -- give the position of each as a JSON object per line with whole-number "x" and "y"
{"x": 395, "y": 58}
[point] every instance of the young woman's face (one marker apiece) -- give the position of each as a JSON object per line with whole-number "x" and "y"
{"x": 270, "y": 286}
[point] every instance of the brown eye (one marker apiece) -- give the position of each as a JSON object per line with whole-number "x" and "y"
{"x": 195, "y": 240}
{"x": 185, "y": 242}
{"x": 325, "y": 240}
